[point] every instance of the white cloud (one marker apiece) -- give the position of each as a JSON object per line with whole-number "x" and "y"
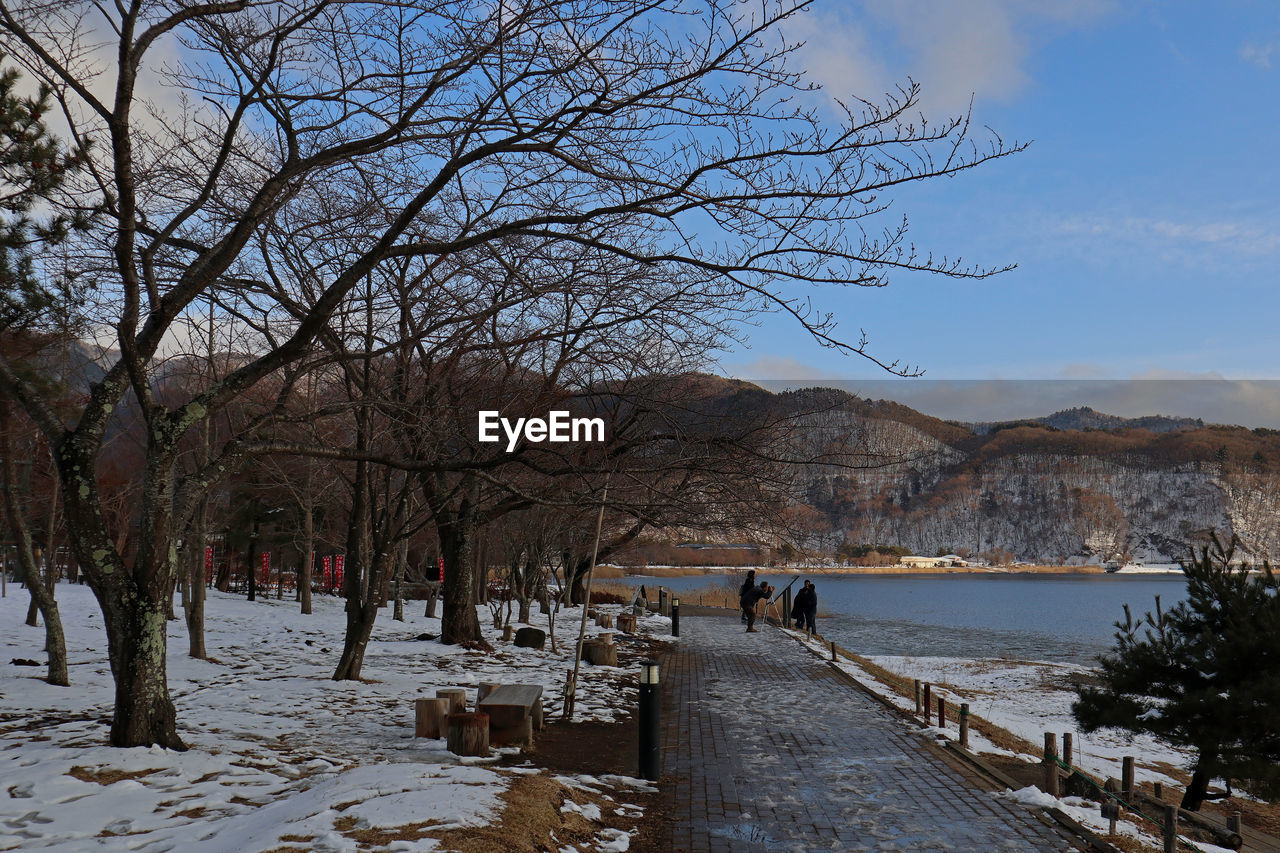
{"x": 955, "y": 51}
{"x": 1258, "y": 54}
{"x": 1244, "y": 236}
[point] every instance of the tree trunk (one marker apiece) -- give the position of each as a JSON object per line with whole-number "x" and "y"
{"x": 193, "y": 600}
{"x": 1198, "y": 789}
{"x": 458, "y": 623}
{"x": 136, "y": 636}
{"x": 41, "y": 597}
{"x": 308, "y": 546}
{"x": 402, "y": 563}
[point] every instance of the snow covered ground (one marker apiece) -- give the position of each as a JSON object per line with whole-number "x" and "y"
{"x": 279, "y": 753}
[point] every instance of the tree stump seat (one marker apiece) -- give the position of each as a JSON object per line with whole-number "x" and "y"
{"x": 468, "y": 733}
{"x": 515, "y": 713}
{"x": 600, "y": 653}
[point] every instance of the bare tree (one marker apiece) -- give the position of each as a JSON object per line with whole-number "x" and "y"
{"x": 452, "y": 127}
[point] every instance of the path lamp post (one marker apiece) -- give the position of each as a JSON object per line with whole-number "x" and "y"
{"x": 650, "y": 716}
{"x": 675, "y": 617}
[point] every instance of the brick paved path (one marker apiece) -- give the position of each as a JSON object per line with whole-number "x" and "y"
{"x": 765, "y": 748}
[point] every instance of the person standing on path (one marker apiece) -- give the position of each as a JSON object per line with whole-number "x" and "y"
{"x": 800, "y": 610}
{"x": 749, "y": 601}
{"x": 746, "y": 585}
{"x": 811, "y": 607}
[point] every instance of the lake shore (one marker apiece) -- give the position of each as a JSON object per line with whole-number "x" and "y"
{"x": 611, "y": 571}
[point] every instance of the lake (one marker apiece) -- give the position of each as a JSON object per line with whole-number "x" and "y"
{"x": 1034, "y": 617}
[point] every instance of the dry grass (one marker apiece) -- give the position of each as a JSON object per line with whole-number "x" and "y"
{"x": 530, "y": 815}
{"x": 722, "y": 594}
{"x": 107, "y": 775}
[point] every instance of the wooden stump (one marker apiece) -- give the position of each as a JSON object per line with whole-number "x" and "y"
{"x": 531, "y": 638}
{"x": 605, "y": 620}
{"x": 486, "y": 687}
{"x": 604, "y": 637}
{"x": 429, "y": 717}
{"x": 627, "y": 622}
{"x": 600, "y": 654}
{"x": 457, "y": 698}
{"x": 536, "y": 716}
{"x": 468, "y": 733}
{"x": 508, "y": 633}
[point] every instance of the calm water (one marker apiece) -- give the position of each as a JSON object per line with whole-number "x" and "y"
{"x": 1037, "y": 617}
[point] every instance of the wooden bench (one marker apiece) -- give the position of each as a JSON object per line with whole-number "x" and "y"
{"x": 515, "y": 713}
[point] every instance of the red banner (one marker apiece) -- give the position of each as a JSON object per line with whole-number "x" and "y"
{"x": 440, "y": 570}
{"x": 265, "y": 574}
{"x": 327, "y": 563}
{"x": 339, "y": 562}
{"x": 208, "y": 560}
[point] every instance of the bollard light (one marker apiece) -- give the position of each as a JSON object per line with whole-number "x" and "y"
{"x": 650, "y": 734}
{"x": 675, "y": 617}
{"x": 649, "y": 672}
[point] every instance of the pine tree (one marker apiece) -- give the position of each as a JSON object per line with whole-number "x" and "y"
{"x": 33, "y": 167}
{"x": 1205, "y": 675}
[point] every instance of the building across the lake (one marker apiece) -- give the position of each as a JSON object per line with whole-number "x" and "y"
{"x": 946, "y": 561}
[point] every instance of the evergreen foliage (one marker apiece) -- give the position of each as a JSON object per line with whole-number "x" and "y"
{"x": 33, "y": 167}
{"x": 1205, "y": 675}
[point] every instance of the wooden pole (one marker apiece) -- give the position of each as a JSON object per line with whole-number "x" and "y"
{"x": 833, "y": 649}
{"x": 918, "y": 713}
{"x": 1051, "y": 764}
{"x": 1126, "y": 779}
{"x": 1157, "y": 790}
{"x": 942, "y": 713}
{"x": 1233, "y": 823}
{"x": 571, "y": 687}
{"x": 928, "y": 711}
{"x": 1068, "y": 747}
{"x": 964, "y": 724}
{"x": 1170, "y": 829}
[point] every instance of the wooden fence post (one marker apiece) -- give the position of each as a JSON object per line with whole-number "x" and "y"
{"x": 942, "y": 713}
{"x": 1126, "y": 779}
{"x": 1170, "y": 829}
{"x": 917, "y": 681}
{"x": 928, "y": 711}
{"x": 1051, "y": 764}
{"x": 1068, "y": 747}
{"x": 964, "y": 724}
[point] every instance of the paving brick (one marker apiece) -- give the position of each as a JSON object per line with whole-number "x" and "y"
{"x": 778, "y": 755}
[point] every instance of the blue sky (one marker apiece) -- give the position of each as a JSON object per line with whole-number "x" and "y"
{"x": 1145, "y": 217}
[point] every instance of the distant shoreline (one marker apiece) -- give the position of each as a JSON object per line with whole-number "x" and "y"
{"x": 611, "y": 571}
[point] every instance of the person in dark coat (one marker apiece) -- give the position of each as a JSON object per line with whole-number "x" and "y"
{"x": 749, "y": 601}
{"x": 746, "y": 585}
{"x": 811, "y": 608}
{"x": 800, "y": 608}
